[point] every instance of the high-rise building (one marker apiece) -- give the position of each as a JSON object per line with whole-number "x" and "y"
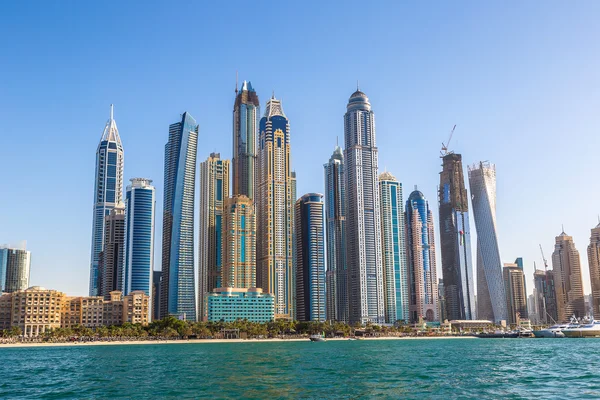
{"x": 516, "y": 296}
{"x": 593, "y": 252}
{"x": 310, "y": 258}
{"x": 395, "y": 268}
{"x": 363, "y": 222}
{"x": 246, "y": 115}
{"x": 15, "y": 266}
{"x": 567, "y": 278}
{"x": 110, "y": 260}
{"x": 274, "y": 209}
{"x": 140, "y": 202}
{"x": 239, "y": 243}
{"x": 335, "y": 220}
{"x": 231, "y": 304}
{"x": 539, "y": 289}
{"x": 420, "y": 245}
{"x": 491, "y": 297}
{"x": 108, "y": 190}
{"x": 455, "y": 240}
{"x": 214, "y": 191}
{"x": 178, "y": 289}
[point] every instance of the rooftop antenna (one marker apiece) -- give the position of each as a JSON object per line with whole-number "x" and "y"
{"x": 563, "y": 227}
{"x": 357, "y": 87}
{"x": 111, "y": 112}
{"x": 337, "y": 145}
{"x": 445, "y": 147}
{"x": 236, "y": 82}
{"x": 273, "y": 95}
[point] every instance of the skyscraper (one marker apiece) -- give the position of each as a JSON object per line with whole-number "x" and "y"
{"x": 567, "y": 278}
{"x": 335, "y": 219}
{"x": 110, "y": 260}
{"x": 310, "y": 258}
{"x": 275, "y": 186}
{"x": 363, "y": 222}
{"x": 140, "y": 202}
{"x": 420, "y": 245}
{"x": 395, "y": 276}
{"x": 239, "y": 243}
{"x": 108, "y": 190}
{"x": 15, "y": 266}
{"x": 455, "y": 240}
{"x": 539, "y": 289}
{"x": 593, "y": 252}
{"x": 516, "y": 296}
{"x": 491, "y": 298}
{"x": 178, "y": 289}
{"x": 246, "y": 115}
{"x": 214, "y": 191}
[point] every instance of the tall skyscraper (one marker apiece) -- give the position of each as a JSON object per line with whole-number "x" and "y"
{"x": 275, "y": 186}
{"x": 363, "y": 227}
{"x": 156, "y": 284}
{"x": 178, "y": 289}
{"x": 455, "y": 240}
{"x": 593, "y": 252}
{"x": 567, "y": 278}
{"x": 539, "y": 284}
{"x": 15, "y": 266}
{"x": 491, "y": 297}
{"x": 140, "y": 203}
{"x": 108, "y": 190}
{"x": 246, "y": 115}
{"x": 310, "y": 258}
{"x": 214, "y": 191}
{"x": 420, "y": 245}
{"x": 110, "y": 260}
{"x": 239, "y": 243}
{"x": 516, "y": 296}
{"x": 395, "y": 276}
{"x": 335, "y": 219}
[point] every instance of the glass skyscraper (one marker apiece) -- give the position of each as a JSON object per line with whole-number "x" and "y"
{"x": 108, "y": 190}
{"x": 140, "y": 201}
{"x": 15, "y": 266}
{"x": 335, "y": 220}
{"x": 421, "y": 259}
{"x": 310, "y": 258}
{"x": 178, "y": 288}
{"x": 455, "y": 240}
{"x": 395, "y": 274}
{"x": 491, "y": 298}
{"x": 246, "y": 115}
{"x": 363, "y": 222}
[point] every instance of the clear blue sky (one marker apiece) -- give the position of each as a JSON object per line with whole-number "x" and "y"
{"x": 520, "y": 80}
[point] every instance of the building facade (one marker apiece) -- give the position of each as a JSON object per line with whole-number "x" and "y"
{"x": 516, "y": 295}
{"x": 274, "y": 210}
{"x": 108, "y": 191}
{"x": 246, "y": 115}
{"x": 110, "y": 260}
{"x": 239, "y": 243}
{"x": 178, "y": 289}
{"x": 568, "y": 281}
{"x": 491, "y": 297}
{"x": 15, "y": 267}
{"x": 335, "y": 220}
{"x": 231, "y": 304}
{"x": 364, "y": 256}
{"x": 214, "y": 191}
{"x": 593, "y": 252}
{"x": 395, "y": 276}
{"x": 140, "y": 203}
{"x": 420, "y": 245}
{"x": 455, "y": 240}
{"x": 310, "y": 258}
{"x": 36, "y": 310}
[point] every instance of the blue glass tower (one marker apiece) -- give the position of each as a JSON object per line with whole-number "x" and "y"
{"x": 139, "y": 237}
{"x": 178, "y": 289}
{"x": 108, "y": 190}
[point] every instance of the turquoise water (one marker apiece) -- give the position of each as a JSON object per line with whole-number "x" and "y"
{"x": 460, "y": 368}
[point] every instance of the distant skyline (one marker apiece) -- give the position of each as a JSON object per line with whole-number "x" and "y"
{"x": 519, "y": 80}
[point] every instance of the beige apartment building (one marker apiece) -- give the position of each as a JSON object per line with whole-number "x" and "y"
{"x": 593, "y": 251}
{"x": 36, "y": 310}
{"x": 567, "y": 279}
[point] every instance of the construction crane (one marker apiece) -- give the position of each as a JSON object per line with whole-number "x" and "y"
{"x": 445, "y": 147}
{"x": 544, "y": 259}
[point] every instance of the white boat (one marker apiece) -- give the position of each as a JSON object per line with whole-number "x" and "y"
{"x": 591, "y": 329}
{"x": 554, "y": 331}
{"x": 317, "y": 338}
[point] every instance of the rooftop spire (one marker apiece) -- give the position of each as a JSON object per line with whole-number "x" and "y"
{"x": 111, "y": 112}
{"x": 357, "y": 87}
{"x": 236, "y": 82}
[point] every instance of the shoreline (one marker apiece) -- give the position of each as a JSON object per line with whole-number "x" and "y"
{"x": 207, "y": 341}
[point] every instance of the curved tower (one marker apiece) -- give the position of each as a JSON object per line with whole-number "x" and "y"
{"x": 246, "y": 114}
{"x": 108, "y": 190}
{"x": 363, "y": 252}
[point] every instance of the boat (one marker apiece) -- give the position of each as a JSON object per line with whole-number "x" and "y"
{"x": 591, "y": 329}
{"x": 317, "y": 337}
{"x": 554, "y": 331}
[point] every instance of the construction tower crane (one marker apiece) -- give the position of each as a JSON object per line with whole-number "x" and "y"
{"x": 445, "y": 147}
{"x": 544, "y": 259}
